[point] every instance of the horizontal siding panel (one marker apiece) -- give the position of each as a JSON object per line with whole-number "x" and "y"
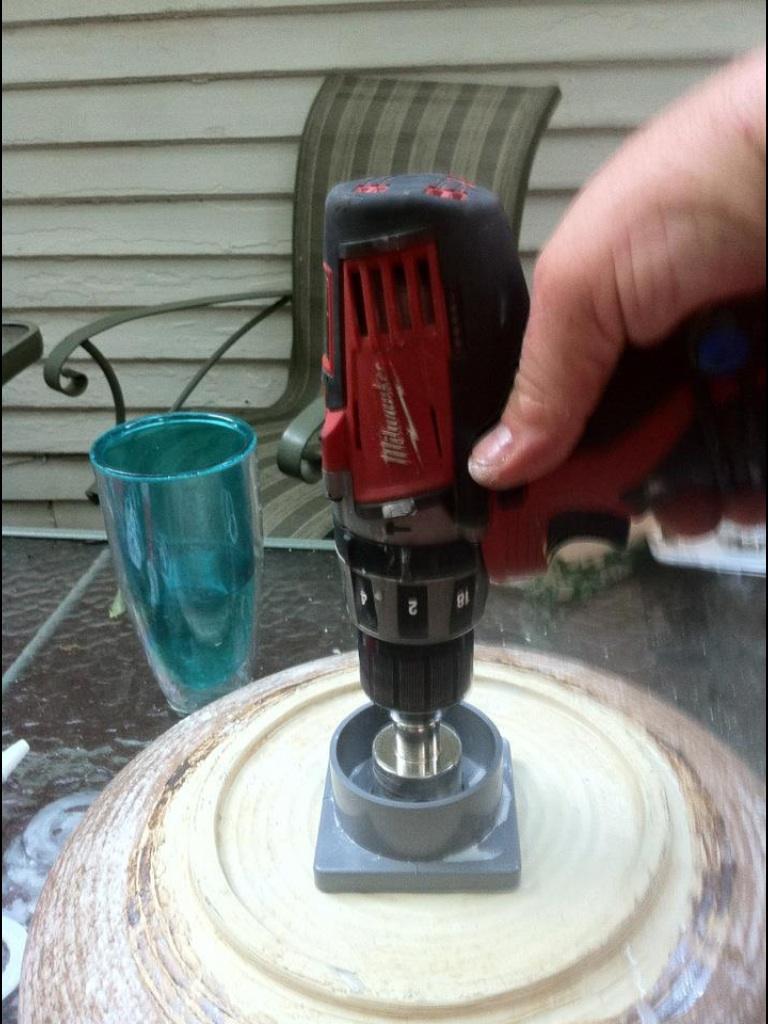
{"x": 228, "y": 386}
{"x": 258, "y": 108}
{"x": 190, "y": 336}
{"x": 253, "y": 109}
{"x": 210, "y": 228}
{"x": 214, "y": 228}
{"x": 59, "y": 477}
{"x": 29, "y": 11}
{"x": 31, "y": 285}
{"x": 82, "y": 283}
{"x": 260, "y": 168}
{"x": 381, "y": 38}
{"x": 77, "y": 515}
{"x": 593, "y": 97}
{"x": 69, "y": 515}
{"x": 64, "y": 433}
{"x": 55, "y": 432}
{"x": 34, "y": 513}
{"x": 44, "y": 478}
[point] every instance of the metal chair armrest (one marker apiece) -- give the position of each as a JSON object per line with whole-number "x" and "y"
{"x": 22, "y": 346}
{"x": 298, "y": 453}
{"x": 73, "y": 383}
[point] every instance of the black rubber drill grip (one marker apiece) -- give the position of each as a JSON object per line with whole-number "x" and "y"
{"x": 416, "y": 678}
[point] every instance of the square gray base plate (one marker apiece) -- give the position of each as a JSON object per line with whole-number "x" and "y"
{"x": 492, "y": 865}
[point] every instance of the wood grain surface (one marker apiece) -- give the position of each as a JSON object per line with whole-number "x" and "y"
{"x": 187, "y": 895}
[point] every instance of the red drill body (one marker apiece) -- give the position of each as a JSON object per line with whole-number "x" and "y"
{"x": 427, "y": 307}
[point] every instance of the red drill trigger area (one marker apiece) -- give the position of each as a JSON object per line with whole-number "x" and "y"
{"x": 394, "y": 433}
{"x": 595, "y": 479}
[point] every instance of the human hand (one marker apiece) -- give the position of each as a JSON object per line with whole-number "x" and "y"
{"x": 675, "y": 221}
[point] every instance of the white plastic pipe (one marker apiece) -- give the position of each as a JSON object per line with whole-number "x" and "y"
{"x": 14, "y": 934}
{"x": 14, "y": 939}
{"x": 13, "y": 756}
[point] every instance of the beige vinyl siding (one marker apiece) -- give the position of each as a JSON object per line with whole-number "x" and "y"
{"x": 149, "y": 153}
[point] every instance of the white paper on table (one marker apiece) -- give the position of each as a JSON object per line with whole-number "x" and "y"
{"x": 732, "y": 548}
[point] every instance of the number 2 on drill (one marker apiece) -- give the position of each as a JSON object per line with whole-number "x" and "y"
{"x": 413, "y": 606}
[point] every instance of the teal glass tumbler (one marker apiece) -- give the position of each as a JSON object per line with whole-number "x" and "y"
{"x": 179, "y": 493}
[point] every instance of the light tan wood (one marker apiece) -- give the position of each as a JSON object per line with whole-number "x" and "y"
{"x": 187, "y": 893}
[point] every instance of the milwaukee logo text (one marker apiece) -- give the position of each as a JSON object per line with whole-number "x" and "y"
{"x": 392, "y": 445}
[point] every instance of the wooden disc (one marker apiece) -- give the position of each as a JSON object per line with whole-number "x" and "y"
{"x": 187, "y": 893}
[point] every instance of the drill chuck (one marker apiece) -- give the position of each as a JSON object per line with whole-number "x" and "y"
{"x": 416, "y": 678}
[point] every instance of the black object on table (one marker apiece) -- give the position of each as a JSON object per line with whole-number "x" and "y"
{"x": 80, "y": 692}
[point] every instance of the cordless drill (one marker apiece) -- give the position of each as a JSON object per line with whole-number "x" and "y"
{"x": 426, "y": 307}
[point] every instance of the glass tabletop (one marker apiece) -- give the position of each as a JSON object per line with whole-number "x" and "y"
{"x": 77, "y": 688}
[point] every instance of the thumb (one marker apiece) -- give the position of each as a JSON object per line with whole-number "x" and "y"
{"x": 566, "y": 361}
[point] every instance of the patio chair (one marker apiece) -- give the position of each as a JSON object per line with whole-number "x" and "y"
{"x": 357, "y": 126}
